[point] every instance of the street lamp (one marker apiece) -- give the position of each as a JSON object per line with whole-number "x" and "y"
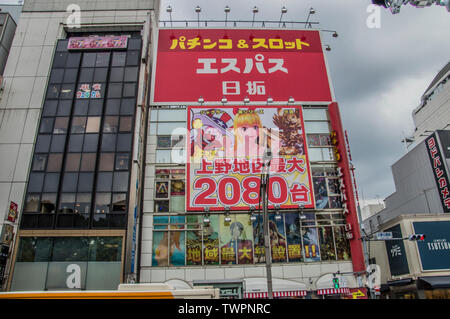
{"x": 291, "y": 100}
{"x": 198, "y": 10}
{"x": 283, "y": 11}
{"x": 311, "y": 11}
{"x": 169, "y": 10}
{"x": 255, "y": 11}
{"x": 227, "y": 10}
{"x": 201, "y": 100}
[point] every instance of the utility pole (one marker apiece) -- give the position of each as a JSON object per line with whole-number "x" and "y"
{"x": 267, "y": 157}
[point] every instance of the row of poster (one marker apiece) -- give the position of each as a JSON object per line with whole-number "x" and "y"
{"x": 241, "y": 241}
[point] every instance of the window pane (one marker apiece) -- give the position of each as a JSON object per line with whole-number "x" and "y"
{"x": 31, "y": 203}
{"x": 90, "y": 143}
{"x": 93, "y": 124}
{"x": 78, "y": 125}
{"x": 315, "y": 114}
{"x": 70, "y": 249}
{"x": 54, "y": 162}
{"x": 317, "y": 127}
{"x": 88, "y": 162}
{"x": 100, "y": 74}
{"x": 43, "y": 144}
{"x": 46, "y": 125}
{"x": 161, "y": 206}
{"x": 48, "y": 203}
{"x": 85, "y": 182}
{"x": 134, "y": 44}
{"x": 122, "y": 161}
{"x": 106, "y": 162}
{"x": 67, "y": 203}
{"x": 50, "y": 108}
{"x": 35, "y": 182}
{"x": 132, "y": 58}
{"x": 129, "y": 90}
{"x": 112, "y": 107}
{"x": 313, "y": 140}
{"x": 124, "y": 142}
{"x": 102, "y": 59}
{"x": 315, "y": 154}
{"x": 109, "y": 142}
{"x": 70, "y": 181}
{"x": 110, "y": 124}
{"x": 321, "y": 193}
{"x": 58, "y": 143}
{"x": 70, "y": 75}
{"x": 86, "y": 75}
{"x": 89, "y": 59}
{"x": 327, "y": 243}
{"x": 56, "y": 76}
{"x": 131, "y": 74}
{"x": 95, "y": 107}
{"x": 73, "y": 60}
{"x": 67, "y": 91}
{"x": 168, "y": 128}
{"x": 81, "y": 107}
{"x": 83, "y": 203}
{"x": 327, "y": 154}
{"x": 126, "y": 124}
{"x": 39, "y": 162}
{"x": 163, "y": 141}
{"x": 51, "y": 182}
{"x": 127, "y": 106}
{"x": 61, "y": 124}
{"x": 115, "y": 90}
{"x": 53, "y": 91}
{"x": 120, "y": 182}
{"x": 64, "y": 108}
{"x": 172, "y": 115}
{"x": 73, "y": 162}
{"x": 104, "y": 182}
{"x": 119, "y": 202}
{"x": 116, "y": 75}
{"x": 102, "y": 203}
{"x": 163, "y": 156}
{"x": 59, "y": 61}
{"x": 119, "y": 58}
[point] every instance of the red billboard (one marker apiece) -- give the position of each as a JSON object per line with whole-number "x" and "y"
{"x": 226, "y": 147}
{"x": 239, "y": 63}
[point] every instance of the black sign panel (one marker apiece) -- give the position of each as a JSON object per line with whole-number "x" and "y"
{"x": 439, "y": 171}
{"x": 395, "y": 249}
{"x": 444, "y": 137}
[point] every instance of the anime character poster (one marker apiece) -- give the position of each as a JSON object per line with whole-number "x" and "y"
{"x": 293, "y": 236}
{"x": 236, "y": 245}
{"x": 258, "y": 239}
{"x": 277, "y": 238}
{"x": 226, "y": 148}
{"x": 169, "y": 241}
{"x": 310, "y": 239}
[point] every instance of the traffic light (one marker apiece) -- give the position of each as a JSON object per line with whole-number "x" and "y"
{"x": 417, "y": 237}
{"x": 336, "y": 282}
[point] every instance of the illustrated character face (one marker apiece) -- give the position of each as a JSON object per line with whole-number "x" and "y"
{"x": 249, "y": 131}
{"x": 211, "y": 134}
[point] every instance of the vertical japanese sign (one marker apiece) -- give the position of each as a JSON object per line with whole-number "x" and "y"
{"x": 398, "y": 264}
{"x": 439, "y": 171}
{"x": 12, "y": 214}
{"x": 226, "y": 148}
{"x": 239, "y": 63}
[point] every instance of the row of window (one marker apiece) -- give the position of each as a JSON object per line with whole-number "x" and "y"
{"x": 94, "y": 75}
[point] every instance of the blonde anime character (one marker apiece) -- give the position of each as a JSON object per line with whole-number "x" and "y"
{"x": 166, "y": 249}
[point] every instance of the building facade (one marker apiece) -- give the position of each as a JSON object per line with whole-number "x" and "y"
{"x": 73, "y": 116}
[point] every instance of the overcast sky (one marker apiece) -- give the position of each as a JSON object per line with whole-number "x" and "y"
{"x": 378, "y": 74}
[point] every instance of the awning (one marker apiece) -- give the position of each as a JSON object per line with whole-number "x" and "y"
{"x": 400, "y": 282}
{"x": 434, "y": 282}
{"x": 333, "y": 291}
{"x": 276, "y": 294}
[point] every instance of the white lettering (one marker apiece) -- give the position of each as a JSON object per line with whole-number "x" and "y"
{"x": 74, "y": 279}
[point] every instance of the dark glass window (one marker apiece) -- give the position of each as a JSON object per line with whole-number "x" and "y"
{"x": 104, "y": 182}
{"x": 119, "y": 202}
{"x": 119, "y": 58}
{"x": 134, "y": 44}
{"x": 129, "y": 90}
{"x": 133, "y": 58}
{"x": 102, "y": 203}
{"x": 61, "y": 124}
{"x": 46, "y": 125}
{"x": 39, "y": 162}
{"x": 67, "y": 91}
{"x": 81, "y": 107}
{"x": 73, "y": 162}
{"x": 48, "y": 203}
{"x": 112, "y": 106}
{"x": 70, "y": 75}
{"x": 43, "y": 144}
{"x": 31, "y": 203}
{"x": 106, "y": 162}
{"x": 50, "y": 108}
{"x": 102, "y": 59}
{"x": 76, "y": 143}
{"x": 86, "y": 75}
{"x": 120, "y": 182}
{"x": 69, "y": 249}
{"x": 51, "y": 182}
{"x": 126, "y": 124}
{"x": 83, "y": 203}
{"x": 131, "y": 74}
{"x": 54, "y": 162}
{"x": 127, "y": 106}
{"x": 53, "y": 91}
{"x": 115, "y": 90}
{"x": 93, "y": 124}
{"x": 62, "y": 45}
{"x": 85, "y": 182}
{"x": 100, "y": 74}
{"x": 35, "y": 182}
{"x": 122, "y": 160}
{"x": 56, "y": 76}
{"x": 108, "y": 142}
{"x": 59, "y": 60}
{"x": 89, "y": 59}
{"x": 73, "y": 60}
{"x": 58, "y": 143}
{"x": 90, "y": 143}
{"x": 111, "y": 124}
{"x": 95, "y": 107}
{"x": 78, "y": 125}
{"x": 67, "y": 203}
{"x": 116, "y": 75}
{"x": 87, "y": 162}
{"x": 64, "y": 107}
{"x": 70, "y": 182}
{"x": 124, "y": 142}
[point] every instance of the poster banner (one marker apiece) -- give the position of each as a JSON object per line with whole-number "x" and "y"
{"x": 238, "y": 63}
{"x": 236, "y": 245}
{"x": 169, "y": 245}
{"x": 310, "y": 238}
{"x": 293, "y": 236}
{"x": 277, "y": 238}
{"x": 12, "y": 214}
{"x": 434, "y": 251}
{"x": 398, "y": 264}
{"x": 226, "y": 148}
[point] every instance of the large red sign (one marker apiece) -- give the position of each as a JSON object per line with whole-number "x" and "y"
{"x": 237, "y": 64}
{"x": 226, "y": 156}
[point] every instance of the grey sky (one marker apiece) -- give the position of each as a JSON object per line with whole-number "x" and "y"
{"x": 378, "y": 74}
